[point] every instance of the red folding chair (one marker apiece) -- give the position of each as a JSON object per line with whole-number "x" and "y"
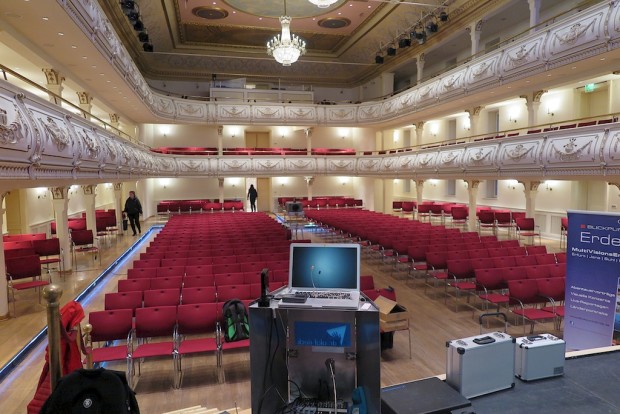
{"x": 107, "y": 326}
{"x": 153, "y": 322}
{"x": 195, "y": 319}
{"x": 24, "y": 267}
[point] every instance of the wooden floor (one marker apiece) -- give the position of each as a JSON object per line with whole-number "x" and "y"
{"x": 432, "y": 323}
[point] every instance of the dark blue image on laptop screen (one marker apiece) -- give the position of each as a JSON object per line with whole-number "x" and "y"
{"x": 334, "y": 334}
{"x": 320, "y": 266}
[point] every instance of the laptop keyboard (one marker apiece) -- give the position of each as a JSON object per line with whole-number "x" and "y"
{"x": 325, "y": 295}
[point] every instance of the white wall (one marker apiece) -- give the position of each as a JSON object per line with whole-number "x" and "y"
{"x": 336, "y": 95}
{"x": 362, "y": 139}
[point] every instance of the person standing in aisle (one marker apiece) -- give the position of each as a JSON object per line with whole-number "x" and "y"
{"x": 252, "y": 196}
{"x": 133, "y": 209}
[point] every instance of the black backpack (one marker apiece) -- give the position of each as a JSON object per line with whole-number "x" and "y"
{"x": 236, "y": 326}
{"x": 92, "y": 391}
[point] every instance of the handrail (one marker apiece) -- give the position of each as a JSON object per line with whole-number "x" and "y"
{"x": 57, "y": 98}
{"x": 614, "y": 117}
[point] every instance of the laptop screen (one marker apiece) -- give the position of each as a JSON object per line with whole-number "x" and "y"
{"x": 324, "y": 266}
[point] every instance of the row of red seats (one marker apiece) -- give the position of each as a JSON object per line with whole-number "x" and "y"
{"x": 161, "y": 281}
{"x": 189, "y": 206}
{"x": 323, "y": 202}
{"x": 241, "y": 254}
{"x": 252, "y": 151}
{"x": 217, "y": 268}
{"x": 172, "y": 324}
{"x": 208, "y": 270}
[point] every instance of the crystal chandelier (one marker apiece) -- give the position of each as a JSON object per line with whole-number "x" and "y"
{"x": 322, "y": 4}
{"x": 286, "y": 48}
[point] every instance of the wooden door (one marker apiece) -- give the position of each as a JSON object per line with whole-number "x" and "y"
{"x": 263, "y": 186}
{"x": 257, "y": 139}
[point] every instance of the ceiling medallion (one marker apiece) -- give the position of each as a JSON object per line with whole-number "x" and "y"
{"x": 334, "y": 22}
{"x": 322, "y": 4}
{"x": 209, "y": 12}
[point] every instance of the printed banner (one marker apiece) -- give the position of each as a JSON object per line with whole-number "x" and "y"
{"x": 592, "y": 279}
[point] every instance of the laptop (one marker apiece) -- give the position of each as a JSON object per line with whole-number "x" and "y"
{"x": 325, "y": 275}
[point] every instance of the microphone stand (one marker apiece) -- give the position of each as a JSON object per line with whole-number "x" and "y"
{"x": 330, "y": 363}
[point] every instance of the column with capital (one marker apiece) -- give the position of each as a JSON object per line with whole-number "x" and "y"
{"x": 119, "y": 205}
{"x": 60, "y": 201}
{"x": 4, "y": 297}
{"x": 220, "y": 143}
{"x": 530, "y": 191}
{"x": 419, "y": 131}
{"x": 419, "y": 192}
{"x": 534, "y": 12}
{"x": 420, "y": 67}
{"x": 220, "y": 188}
{"x": 472, "y": 192}
{"x": 89, "y": 204}
{"x": 86, "y": 103}
{"x": 532, "y": 102}
{"x": 309, "y": 182}
{"x": 308, "y": 132}
{"x": 474, "y": 30}
{"x": 54, "y": 84}
{"x": 474, "y": 120}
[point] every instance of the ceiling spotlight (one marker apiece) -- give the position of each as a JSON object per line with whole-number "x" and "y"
{"x": 133, "y": 16}
{"x": 432, "y": 25}
{"x": 128, "y": 5}
{"x": 391, "y": 50}
{"x": 143, "y": 37}
{"x": 138, "y": 25}
{"x": 379, "y": 59}
{"x": 404, "y": 41}
{"x": 443, "y": 16}
{"x": 419, "y": 33}
{"x": 148, "y": 47}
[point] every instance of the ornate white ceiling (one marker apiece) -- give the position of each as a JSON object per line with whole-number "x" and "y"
{"x": 229, "y": 39}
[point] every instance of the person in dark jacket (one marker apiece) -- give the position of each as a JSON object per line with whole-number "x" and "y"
{"x": 133, "y": 209}
{"x": 252, "y": 196}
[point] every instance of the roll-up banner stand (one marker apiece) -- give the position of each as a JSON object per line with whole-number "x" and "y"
{"x": 592, "y": 305}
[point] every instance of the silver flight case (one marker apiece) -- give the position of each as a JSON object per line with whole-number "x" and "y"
{"x": 539, "y": 356}
{"x": 481, "y": 364}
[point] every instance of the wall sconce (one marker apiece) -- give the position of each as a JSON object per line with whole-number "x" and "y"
{"x": 165, "y": 130}
{"x": 433, "y": 182}
{"x": 512, "y": 118}
{"x": 42, "y": 192}
{"x": 466, "y": 124}
{"x": 165, "y": 182}
{"x": 549, "y": 112}
{"x": 344, "y": 180}
{"x": 549, "y": 185}
{"x": 396, "y": 135}
{"x": 512, "y": 184}
{"x": 434, "y": 129}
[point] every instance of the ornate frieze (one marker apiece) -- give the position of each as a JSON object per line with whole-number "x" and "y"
{"x": 271, "y": 165}
{"x": 57, "y": 133}
{"x": 15, "y": 131}
{"x": 300, "y": 164}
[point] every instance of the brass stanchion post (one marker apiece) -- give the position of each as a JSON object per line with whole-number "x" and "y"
{"x": 52, "y": 294}
{"x": 88, "y": 328}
